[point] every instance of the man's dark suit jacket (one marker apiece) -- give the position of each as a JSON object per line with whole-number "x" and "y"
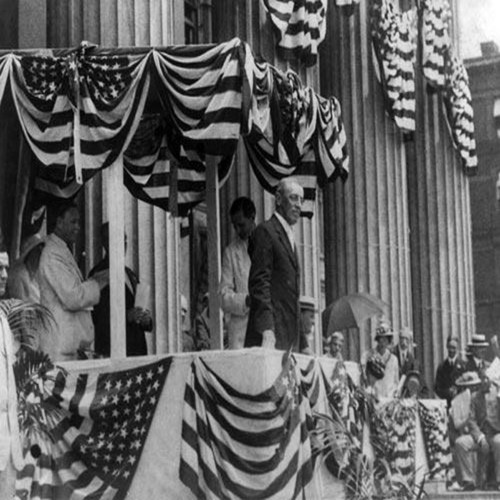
{"x": 273, "y": 286}
{"x": 409, "y": 363}
{"x": 446, "y": 376}
{"x": 136, "y": 340}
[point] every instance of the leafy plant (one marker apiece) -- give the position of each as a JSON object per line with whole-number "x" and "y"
{"x": 364, "y": 478}
{"x": 27, "y": 321}
{"x": 37, "y": 416}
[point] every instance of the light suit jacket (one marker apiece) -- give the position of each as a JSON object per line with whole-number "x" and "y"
{"x": 234, "y": 286}
{"x": 69, "y": 298}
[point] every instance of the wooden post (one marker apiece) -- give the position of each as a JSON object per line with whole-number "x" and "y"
{"x": 173, "y": 278}
{"x": 214, "y": 253}
{"x": 116, "y": 258}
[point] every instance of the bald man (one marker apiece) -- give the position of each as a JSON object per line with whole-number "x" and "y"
{"x": 274, "y": 280}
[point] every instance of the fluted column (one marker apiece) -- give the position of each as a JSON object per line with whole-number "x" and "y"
{"x": 366, "y": 219}
{"x": 441, "y": 251}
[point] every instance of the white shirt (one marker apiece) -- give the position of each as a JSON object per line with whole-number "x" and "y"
{"x": 288, "y": 229}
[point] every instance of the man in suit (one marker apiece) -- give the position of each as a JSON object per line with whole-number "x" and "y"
{"x": 274, "y": 280}
{"x": 64, "y": 291}
{"x": 139, "y": 320}
{"x": 479, "y": 435}
{"x": 449, "y": 371}
{"x": 477, "y": 348}
{"x": 404, "y": 353}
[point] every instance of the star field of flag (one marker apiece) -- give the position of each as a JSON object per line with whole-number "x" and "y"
{"x": 106, "y": 76}
{"x": 98, "y": 443}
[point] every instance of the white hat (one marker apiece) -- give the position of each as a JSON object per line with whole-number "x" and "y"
{"x": 478, "y": 340}
{"x": 307, "y": 303}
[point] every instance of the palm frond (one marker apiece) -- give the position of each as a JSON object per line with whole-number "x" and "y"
{"x": 37, "y": 416}
{"x": 27, "y": 320}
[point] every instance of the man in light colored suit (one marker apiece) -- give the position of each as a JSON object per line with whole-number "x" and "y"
{"x": 274, "y": 281}
{"x": 64, "y": 291}
{"x": 235, "y": 270}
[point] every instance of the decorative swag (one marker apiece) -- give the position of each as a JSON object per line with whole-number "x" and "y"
{"x": 85, "y": 109}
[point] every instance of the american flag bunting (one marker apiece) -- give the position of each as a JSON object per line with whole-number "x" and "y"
{"x": 98, "y": 442}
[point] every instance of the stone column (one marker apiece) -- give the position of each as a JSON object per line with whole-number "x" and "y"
{"x": 366, "y": 219}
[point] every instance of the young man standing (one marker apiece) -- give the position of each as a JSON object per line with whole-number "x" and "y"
{"x": 235, "y": 270}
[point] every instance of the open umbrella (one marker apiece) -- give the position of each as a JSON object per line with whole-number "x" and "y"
{"x": 351, "y": 310}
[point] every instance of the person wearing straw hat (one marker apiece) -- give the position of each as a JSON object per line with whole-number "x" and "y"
{"x": 380, "y": 366}
{"x": 479, "y": 435}
{"x": 476, "y": 362}
{"x": 23, "y": 283}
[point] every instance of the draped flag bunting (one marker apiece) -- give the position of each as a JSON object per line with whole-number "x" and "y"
{"x": 394, "y": 50}
{"x": 107, "y": 93}
{"x": 99, "y": 439}
{"x": 434, "y": 422}
{"x": 300, "y": 26}
{"x": 83, "y": 111}
{"x": 436, "y": 16}
{"x": 205, "y": 110}
{"x": 311, "y": 383}
{"x": 393, "y": 428}
{"x": 237, "y": 445}
{"x": 5, "y": 69}
{"x": 459, "y": 112}
{"x": 294, "y": 131}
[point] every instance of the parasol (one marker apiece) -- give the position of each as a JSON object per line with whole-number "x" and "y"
{"x": 351, "y": 310}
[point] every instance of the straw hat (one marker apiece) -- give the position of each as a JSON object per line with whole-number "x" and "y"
{"x": 384, "y": 330}
{"x": 468, "y": 379}
{"x": 307, "y": 303}
{"x": 29, "y": 244}
{"x": 478, "y": 340}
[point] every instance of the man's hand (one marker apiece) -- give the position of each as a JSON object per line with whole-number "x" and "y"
{"x": 483, "y": 443}
{"x": 268, "y": 339}
{"x": 102, "y": 278}
{"x": 134, "y": 315}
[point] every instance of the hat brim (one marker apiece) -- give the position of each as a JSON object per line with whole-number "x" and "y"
{"x": 478, "y": 344}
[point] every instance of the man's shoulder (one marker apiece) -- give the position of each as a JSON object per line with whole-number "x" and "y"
{"x": 53, "y": 244}
{"x": 268, "y": 226}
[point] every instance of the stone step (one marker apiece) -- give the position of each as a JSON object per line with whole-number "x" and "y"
{"x": 465, "y": 495}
